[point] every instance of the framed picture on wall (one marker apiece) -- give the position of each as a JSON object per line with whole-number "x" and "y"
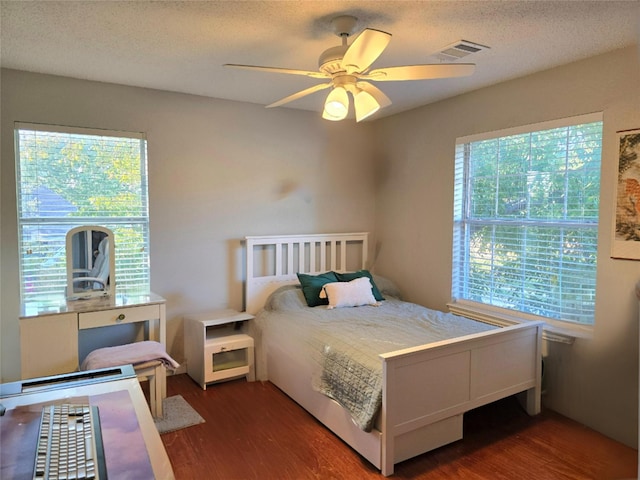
{"x": 626, "y": 241}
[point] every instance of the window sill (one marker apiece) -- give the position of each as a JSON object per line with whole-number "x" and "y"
{"x": 553, "y": 331}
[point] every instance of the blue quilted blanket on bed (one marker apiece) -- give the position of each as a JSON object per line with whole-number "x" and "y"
{"x": 343, "y": 344}
{"x": 355, "y": 386}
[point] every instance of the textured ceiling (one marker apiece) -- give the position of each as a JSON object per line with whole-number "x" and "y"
{"x": 181, "y": 46}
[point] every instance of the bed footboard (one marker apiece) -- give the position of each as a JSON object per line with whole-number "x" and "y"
{"x": 427, "y": 389}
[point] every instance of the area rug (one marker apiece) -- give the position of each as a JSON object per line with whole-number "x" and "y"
{"x": 177, "y": 414}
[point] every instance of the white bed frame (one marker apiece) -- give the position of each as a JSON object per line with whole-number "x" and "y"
{"x": 426, "y": 389}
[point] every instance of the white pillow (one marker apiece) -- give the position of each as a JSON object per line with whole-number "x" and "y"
{"x": 355, "y": 293}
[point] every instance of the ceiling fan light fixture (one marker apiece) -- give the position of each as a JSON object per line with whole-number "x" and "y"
{"x": 336, "y": 107}
{"x": 346, "y": 69}
{"x": 365, "y": 105}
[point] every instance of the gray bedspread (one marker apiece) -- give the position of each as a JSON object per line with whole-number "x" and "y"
{"x": 344, "y": 344}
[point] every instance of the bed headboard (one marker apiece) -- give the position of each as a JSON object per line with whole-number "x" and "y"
{"x": 273, "y": 261}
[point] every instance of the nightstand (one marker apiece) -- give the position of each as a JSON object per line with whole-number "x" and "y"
{"x": 216, "y": 347}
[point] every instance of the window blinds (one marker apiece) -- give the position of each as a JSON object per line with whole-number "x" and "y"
{"x": 67, "y": 177}
{"x": 526, "y": 219}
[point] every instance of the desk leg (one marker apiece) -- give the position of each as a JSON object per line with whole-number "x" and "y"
{"x": 157, "y": 327}
{"x": 163, "y": 325}
{"x": 163, "y": 340}
{"x": 158, "y": 333}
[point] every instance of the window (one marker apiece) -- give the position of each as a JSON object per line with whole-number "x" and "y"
{"x": 526, "y": 219}
{"x": 67, "y": 177}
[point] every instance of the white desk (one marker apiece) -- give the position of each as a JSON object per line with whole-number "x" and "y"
{"x": 49, "y": 329}
{"x": 131, "y": 440}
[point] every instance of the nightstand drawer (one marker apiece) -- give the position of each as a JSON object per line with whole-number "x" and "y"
{"x": 228, "y": 342}
{"x": 118, "y": 316}
{"x": 227, "y": 357}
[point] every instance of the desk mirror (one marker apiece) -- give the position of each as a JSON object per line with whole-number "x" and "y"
{"x": 90, "y": 262}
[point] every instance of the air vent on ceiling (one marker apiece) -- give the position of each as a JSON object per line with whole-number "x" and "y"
{"x": 458, "y": 50}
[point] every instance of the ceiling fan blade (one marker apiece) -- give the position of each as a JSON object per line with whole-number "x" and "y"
{"x": 375, "y": 92}
{"x": 289, "y": 71}
{"x": 420, "y": 72}
{"x": 364, "y": 50}
{"x": 300, "y": 94}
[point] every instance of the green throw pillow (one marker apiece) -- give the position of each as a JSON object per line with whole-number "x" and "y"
{"x": 312, "y": 285}
{"x": 347, "y": 277}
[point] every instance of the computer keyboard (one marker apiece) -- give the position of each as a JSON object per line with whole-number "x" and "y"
{"x": 69, "y": 444}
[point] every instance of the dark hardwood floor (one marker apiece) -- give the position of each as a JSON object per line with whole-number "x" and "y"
{"x": 254, "y": 431}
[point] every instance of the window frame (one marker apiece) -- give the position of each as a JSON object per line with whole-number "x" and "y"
{"x": 555, "y": 329}
{"x": 69, "y": 222}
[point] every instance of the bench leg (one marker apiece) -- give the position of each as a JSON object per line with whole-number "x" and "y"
{"x": 159, "y": 387}
{"x": 152, "y": 395}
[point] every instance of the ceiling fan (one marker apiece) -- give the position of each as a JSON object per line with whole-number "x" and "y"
{"x": 347, "y": 69}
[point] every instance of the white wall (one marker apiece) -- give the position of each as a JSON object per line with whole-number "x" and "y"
{"x": 218, "y": 171}
{"x": 593, "y": 381}
{"x": 221, "y": 170}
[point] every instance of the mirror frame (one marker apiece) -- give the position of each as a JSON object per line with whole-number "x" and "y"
{"x": 110, "y": 288}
